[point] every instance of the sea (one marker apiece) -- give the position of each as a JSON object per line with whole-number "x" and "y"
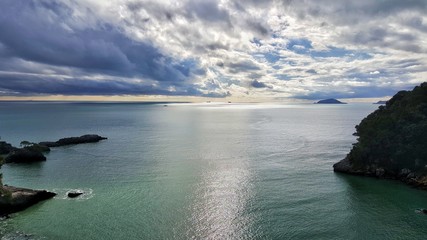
{"x": 202, "y": 171}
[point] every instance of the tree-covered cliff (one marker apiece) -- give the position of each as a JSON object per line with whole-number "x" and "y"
{"x": 392, "y": 141}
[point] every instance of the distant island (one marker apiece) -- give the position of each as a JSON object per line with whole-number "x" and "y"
{"x": 392, "y": 141}
{"x": 13, "y": 199}
{"x": 330, "y": 101}
{"x": 381, "y": 102}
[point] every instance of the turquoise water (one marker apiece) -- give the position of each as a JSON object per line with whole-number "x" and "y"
{"x": 207, "y": 171}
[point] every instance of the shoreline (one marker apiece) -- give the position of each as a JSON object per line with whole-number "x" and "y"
{"x": 418, "y": 181}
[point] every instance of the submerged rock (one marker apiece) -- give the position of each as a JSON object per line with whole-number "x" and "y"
{"x": 13, "y": 199}
{"x": 88, "y": 138}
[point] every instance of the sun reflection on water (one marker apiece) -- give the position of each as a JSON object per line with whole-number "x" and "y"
{"x": 222, "y": 198}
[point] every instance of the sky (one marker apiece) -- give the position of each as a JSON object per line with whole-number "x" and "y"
{"x": 214, "y": 49}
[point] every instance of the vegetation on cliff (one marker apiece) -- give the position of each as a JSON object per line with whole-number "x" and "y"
{"x": 392, "y": 141}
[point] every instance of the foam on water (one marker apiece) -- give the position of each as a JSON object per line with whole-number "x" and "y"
{"x": 62, "y": 193}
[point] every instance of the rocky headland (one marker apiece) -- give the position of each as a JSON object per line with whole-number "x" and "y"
{"x": 392, "y": 141}
{"x": 13, "y": 199}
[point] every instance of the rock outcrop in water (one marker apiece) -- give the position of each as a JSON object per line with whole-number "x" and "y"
{"x": 330, "y": 101}
{"x": 88, "y": 138}
{"x": 392, "y": 141}
{"x": 25, "y": 155}
{"x": 31, "y": 152}
{"x": 13, "y": 199}
{"x": 74, "y": 194}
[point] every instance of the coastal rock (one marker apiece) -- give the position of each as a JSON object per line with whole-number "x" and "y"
{"x": 343, "y": 166}
{"x": 410, "y": 175}
{"x": 6, "y": 148}
{"x": 88, "y": 138}
{"x": 381, "y": 102}
{"x": 330, "y": 101}
{"x": 24, "y": 155}
{"x": 74, "y": 194}
{"x": 15, "y": 199}
{"x": 404, "y": 172}
{"x": 379, "y": 172}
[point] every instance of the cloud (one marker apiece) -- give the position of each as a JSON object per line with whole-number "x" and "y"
{"x": 208, "y": 10}
{"x": 104, "y": 49}
{"x": 257, "y": 84}
{"x": 30, "y": 84}
{"x": 303, "y": 49}
{"x": 243, "y": 66}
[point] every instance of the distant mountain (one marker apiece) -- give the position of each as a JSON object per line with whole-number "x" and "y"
{"x": 330, "y": 101}
{"x": 392, "y": 141}
{"x": 381, "y": 102}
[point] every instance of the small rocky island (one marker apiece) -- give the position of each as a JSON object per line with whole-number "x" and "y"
{"x": 330, "y": 101}
{"x": 33, "y": 152}
{"x": 392, "y": 141}
{"x": 13, "y": 199}
{"x": 88, "y": 138}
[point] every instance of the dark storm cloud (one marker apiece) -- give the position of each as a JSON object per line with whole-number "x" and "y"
{"x": 29, "y": 84}
{"x": 45, "y": 32}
